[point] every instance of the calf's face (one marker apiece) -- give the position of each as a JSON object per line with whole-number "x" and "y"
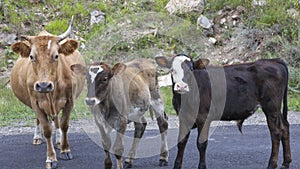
{"x": 98, "y": 77}
{"x": 181, "y": 68}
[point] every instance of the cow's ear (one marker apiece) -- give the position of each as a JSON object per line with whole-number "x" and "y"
{"x": 21, "y": 48}
{"x": 201, "y": 63}
{"x": 79, "y": 69}
{"x": 68, "y": 47}
{"x": 118, "y": 68}
{"x": 162, "y": 61}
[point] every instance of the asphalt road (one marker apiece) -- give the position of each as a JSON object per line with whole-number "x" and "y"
{"x": 227, "y": 149}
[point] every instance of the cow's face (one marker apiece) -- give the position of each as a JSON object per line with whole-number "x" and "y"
{"x": 98, "y": 77}
{"x": 44, "y": 53}
{"x": 181, "y": 68}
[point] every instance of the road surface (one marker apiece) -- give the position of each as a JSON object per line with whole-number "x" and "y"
{"x": 227, "y": 149}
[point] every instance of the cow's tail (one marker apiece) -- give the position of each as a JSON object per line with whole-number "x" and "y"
{"x": 285, "y": 104}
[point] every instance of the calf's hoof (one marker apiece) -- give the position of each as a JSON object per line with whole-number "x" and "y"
{"x": 284, "y": 167}
{"x": 163, "y": 162}
{"x": 127, "y": 165}
{"x": 51, "y": 165}
{"x": 37, "y": 141}
{"x": 66, "y": 156}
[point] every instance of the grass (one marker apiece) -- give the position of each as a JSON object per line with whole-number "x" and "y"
{"x": 14, "y": 113}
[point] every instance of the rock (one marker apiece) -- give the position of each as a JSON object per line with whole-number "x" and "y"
{"x": 293, "y": 13}
{"x": 181, "y": 7}
{"x": 97, "y": 17}
{"x": 222, "y": 21}
{"x": 204, "y": 22}
{"x": 212, "y": 40}
{"x": 7, "y": 39}
{"x": 3, "y": 69}
{"x": 259, "y": 2}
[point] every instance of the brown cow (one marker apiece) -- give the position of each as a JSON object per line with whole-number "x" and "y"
{"x": 42, "y": 79}
{"x": 120, "y": 95}
{"x": 234, "y": 92}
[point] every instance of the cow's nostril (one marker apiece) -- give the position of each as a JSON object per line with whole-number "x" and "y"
{"x": 90, "y": 101}
{"x": 44, "y": 87}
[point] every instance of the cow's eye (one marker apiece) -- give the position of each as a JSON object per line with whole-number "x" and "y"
{"x": 31, "y": 57}
{"x": 56, "y": 57}
{"x": 105, "y": 79}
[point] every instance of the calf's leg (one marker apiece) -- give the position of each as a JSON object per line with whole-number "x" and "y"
{"x": 287, "y": 157}
{"x": 273, "y": 121}
{"x": 118, "y": 146}
{"x": 184, "y": 133}
{"x": 138, "y": 134}
{"x": 158, "y": 107}
{"x": 202, "y": 140}
{"x": 163, "y": 129}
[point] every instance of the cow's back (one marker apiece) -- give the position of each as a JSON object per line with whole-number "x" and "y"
{"x": 147, "y": 70}
{"x": 250, "y": 84}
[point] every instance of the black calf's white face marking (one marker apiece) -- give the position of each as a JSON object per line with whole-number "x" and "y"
{"x": 93, "y": 88}
{"x": 94, "y": 71}
{"x": 177, "y": 72}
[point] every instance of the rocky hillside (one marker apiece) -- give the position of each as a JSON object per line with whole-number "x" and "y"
{"x": 228, "y": 32}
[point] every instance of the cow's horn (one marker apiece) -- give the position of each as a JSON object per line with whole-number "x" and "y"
{"x": 68, "y": 32}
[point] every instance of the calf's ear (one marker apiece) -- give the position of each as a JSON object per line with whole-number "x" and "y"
{"x": 68, "y": 47}
{"x": 118, "y": 68}
{"x": 201, "y": 63}
{"x": 79, "y": 69}
{"x": 21, "y": 48}
{"x": 162, "y": 61}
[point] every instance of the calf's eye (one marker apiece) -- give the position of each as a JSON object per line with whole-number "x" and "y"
{"x": 55, "y": 57}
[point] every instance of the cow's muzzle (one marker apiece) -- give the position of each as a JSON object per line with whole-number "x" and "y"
{"x": 92, "y": 101}
{"x": 43, "y": 87}
{"x": 181, "y": 88}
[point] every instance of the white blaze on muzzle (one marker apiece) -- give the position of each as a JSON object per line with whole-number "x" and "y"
{"x": 92, "y": 101}
{"x": 94, "y": 70}
{"x": 178, "y": 74}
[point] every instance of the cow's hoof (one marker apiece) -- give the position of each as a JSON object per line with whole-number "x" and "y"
{"x": 127, "y": 165}
{"x": 66, "y": 156}
{"x": 284, "y": 167}
{"x": 163, "y": 162}
{"x": 37, "y": 141}
{"x": 51, "y": 165}
{"x": 57, "y": 146}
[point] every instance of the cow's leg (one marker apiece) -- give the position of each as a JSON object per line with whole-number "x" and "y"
{"x": 138, "y": 134}
{"x": 57, "y": 131}
{"x": 65, "y": 152}
{"x": 106, "y": 143}
{"x": 158, "y": 107}
{"x": 273, "y": 121}
{"x": 286, "y": 144}
{"x": 37, "y": 138}
{"x": 118, "y": 146}
{"x": 202, "y": 140}
{"x": 163, "y": 129}
{"x": 51, "y": 161}
{"x": 184, "y": 133}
